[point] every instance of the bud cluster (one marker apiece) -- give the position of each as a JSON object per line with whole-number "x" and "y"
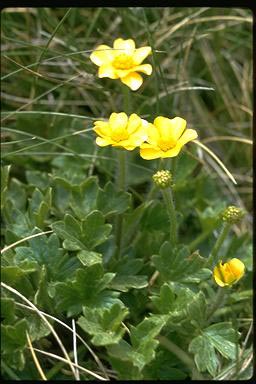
{"x": 162, "y": 179}
{"x": 232, "y": 214}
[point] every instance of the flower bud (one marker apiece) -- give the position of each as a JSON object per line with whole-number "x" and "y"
{"x": 232, "y": 214}
{"x": 162, "y": 179}
{"x": 229, "y": 272}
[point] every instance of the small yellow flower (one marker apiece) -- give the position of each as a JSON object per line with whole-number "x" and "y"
{"x": 121, "y": 131}
{"x": 123, "y": 62}
{"x": 166, "y": 137}
{"x": 228, "y": 273}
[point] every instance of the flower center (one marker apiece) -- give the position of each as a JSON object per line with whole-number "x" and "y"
{"x": 119, "y": 134}
{"x": 166, "y": 144}
{"x": 123, "y": 61}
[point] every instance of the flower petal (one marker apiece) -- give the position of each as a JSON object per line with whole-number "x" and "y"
{"x": 118, "y": 121}
{"x": 103, "y": 54}
{"x": 140, "y": 54}
{"x": 127, "y": 46}
{"x": 188, "y": 135}
{"x": 153, "y": 134}
{"x": 178, "y": 127}
{"x": 134, "y": 123}
{"x": 237, "y": 268}
{"x": 101, "y": 128}
{"x": 149, "y": 152}
{"x": 172, "y": 152}
{"x": 133, "y": 81}
{"x": 218, "y": 276}
{"x": 103, "y": 142}
{"x": 106, "y": 70}
{"x": 164, "y": 127}
{"x": 145, "y": 68}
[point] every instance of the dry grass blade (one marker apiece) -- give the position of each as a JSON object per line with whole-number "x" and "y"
{"x": 205, "y": 148}
{"x": 22, "y": 240}
{"x": 97, "y": 360}
{"x": 74, "y": 365}
{"x": 231, "y": 138}
{"x": 37, "y": 364}
{"x": 46, "y": 322}
{"x": 75, "y": 347}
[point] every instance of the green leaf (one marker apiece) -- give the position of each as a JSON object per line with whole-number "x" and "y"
{"x": 177, "y": 263}
{"x": 220, "y": 337}
{"x": 104, "y": 324}
{"x": 5, "y": 170}
{"x": 89, "y": 288}
{"x": 223, "y": 337}
{"x": 125, "y": 282}
{"x": 70, "y": 230}
{"x": 205, "y": 356}
{"x": 13, "y": 337}
{"x": 38, "y": 179}
{"x": 95, "y": 231}
{"x": 164, "y": 302}
{"x": 89, "y": 258}
{"x": 110, "y": 201}
{"x": 83, "y": 199}
{"x": 7, "y": 310}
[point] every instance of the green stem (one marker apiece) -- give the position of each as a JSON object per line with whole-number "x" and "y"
{"x": 182, "y": 355}
{"x": 217, "y": 302}
{"x": 168, "y": 198}
{"x": 199, "y": 239}
{"x": 222, "y": 236}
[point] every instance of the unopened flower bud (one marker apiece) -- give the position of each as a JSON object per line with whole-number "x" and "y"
{"x": 162, "y": 179}
{"x": 232, "y": 214}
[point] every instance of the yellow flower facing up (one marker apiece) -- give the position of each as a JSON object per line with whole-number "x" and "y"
{"x": 123, "y": 62}
{"x": 121, "y": 131}
{"x": 228, "y": 273}
{"x": 166, "y": 137}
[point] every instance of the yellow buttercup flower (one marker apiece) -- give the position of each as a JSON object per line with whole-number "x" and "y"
{"x": 228, "y": 273}
{"x": 166, "y": 137}
{"x": 121, "y": 131}
{"x": 123, "y": 62}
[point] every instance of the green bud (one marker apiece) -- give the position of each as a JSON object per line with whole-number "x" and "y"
{"x": 233, "y": 214}
{"x": 162, "y": 179}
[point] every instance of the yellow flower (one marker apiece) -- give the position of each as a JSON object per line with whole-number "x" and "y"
{"x": 228, "y": 273}
{"x": 123, "y": 62}
{"x": 166, "y": 137}
{"x": 121, "y": 131}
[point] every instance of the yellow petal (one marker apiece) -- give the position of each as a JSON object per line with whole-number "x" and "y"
{"x": 102, "y": 142}
{"x": 171, "y": 152}
{"x": 149, "y": 152}
{"x": 125, "y": 144}
{"x": 103, "y": 54}
{"x": 140, "y": 54}
{"x": 178, "y": 127}
{"x": 164, "y": 127}
{"x": 102, "y": 128}
{"x": 134, "y": 123}
{"x": 133, "y": 81}
{"x": 153, "y": 134}
{"x": 144, "y": 68}
{"x": 106, "y": 70}
{"x": 118, "y": 121}
{"x": 127, "y": 46}
{"x": 237, "y": 267}
{"x": 188, "y": 135}
{"x": 218, "y": 275}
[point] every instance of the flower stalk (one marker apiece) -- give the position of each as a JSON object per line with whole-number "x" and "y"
{"x": 222, "y": 236}
{"x": 168, "y": 198}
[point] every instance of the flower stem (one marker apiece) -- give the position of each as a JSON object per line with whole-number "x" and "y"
{"x": 222, "y": 236}
{"x": 182, "y": 355}
{"x": 168, "y": 198}
{"x": 217, "y": 302}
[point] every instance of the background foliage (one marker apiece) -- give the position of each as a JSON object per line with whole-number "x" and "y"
{"x": 55, "y": 180}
